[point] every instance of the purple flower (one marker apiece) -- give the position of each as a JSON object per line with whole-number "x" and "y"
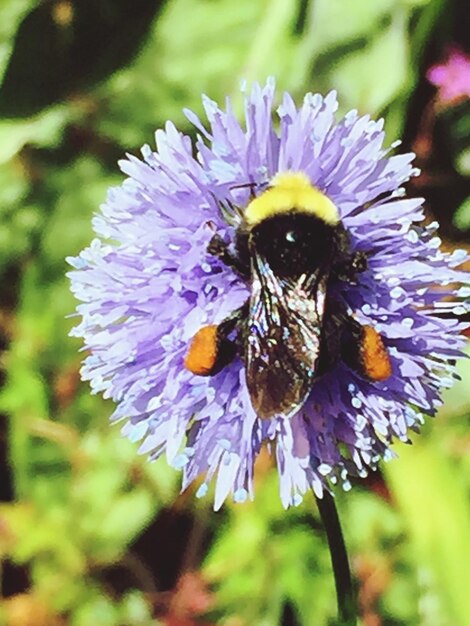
{"x": 147, "y": 284}
{"x": 452, "y": 78}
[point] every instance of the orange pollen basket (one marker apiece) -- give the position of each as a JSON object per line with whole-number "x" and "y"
{"x": 375, "y": 359}
{"x": 203, "y": 351}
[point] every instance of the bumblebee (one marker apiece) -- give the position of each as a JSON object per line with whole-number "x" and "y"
{"x": 291, "y": 247}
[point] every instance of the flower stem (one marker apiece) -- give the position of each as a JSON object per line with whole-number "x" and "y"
{"x": 347, "y": 610}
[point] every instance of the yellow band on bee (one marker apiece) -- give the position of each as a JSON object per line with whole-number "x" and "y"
{"x": 291, "y": 191}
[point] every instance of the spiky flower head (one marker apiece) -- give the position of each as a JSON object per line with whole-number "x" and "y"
{"x": 147, "y": 284}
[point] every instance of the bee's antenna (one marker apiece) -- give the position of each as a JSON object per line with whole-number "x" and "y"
{"x": 244, "y": 185}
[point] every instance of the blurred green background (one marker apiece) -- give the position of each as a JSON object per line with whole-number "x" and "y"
{"x": 90, "y": 532}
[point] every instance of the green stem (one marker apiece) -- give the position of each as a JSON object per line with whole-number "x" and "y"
{"x": 347, "y": 610}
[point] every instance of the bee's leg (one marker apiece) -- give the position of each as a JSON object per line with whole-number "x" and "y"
{"x": 218, "y": 248}
{"x": 330, "y": 342}
{"x": 361, "y": 347}
{"x": 347, "y": 268}
{"x": 233, "y": 322}
{"x": 347, "y": 265}
{"x": 211, "y": 349}
{"x": 363, "y": 350}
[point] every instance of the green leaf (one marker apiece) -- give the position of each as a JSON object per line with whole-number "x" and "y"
{"x": 339, "y": 21}
{"x": 221, "y": 44}
{"x": 462, "y": 162}
{"x": 74, "y": 194}
{"x": 372, "y": 77}
{"x": 11, "y": 14}
{"x": 429, "y": 491}
{"x": 86, "y": 41}
{"x": 41, "y": 130}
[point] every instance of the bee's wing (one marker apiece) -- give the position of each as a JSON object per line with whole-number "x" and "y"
{"x": 283, "y": 338}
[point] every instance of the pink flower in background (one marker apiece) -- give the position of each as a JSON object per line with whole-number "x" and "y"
{"x": 452, "y": 77}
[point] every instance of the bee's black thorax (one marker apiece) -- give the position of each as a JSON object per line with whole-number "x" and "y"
{"x": 294, "y": 243}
